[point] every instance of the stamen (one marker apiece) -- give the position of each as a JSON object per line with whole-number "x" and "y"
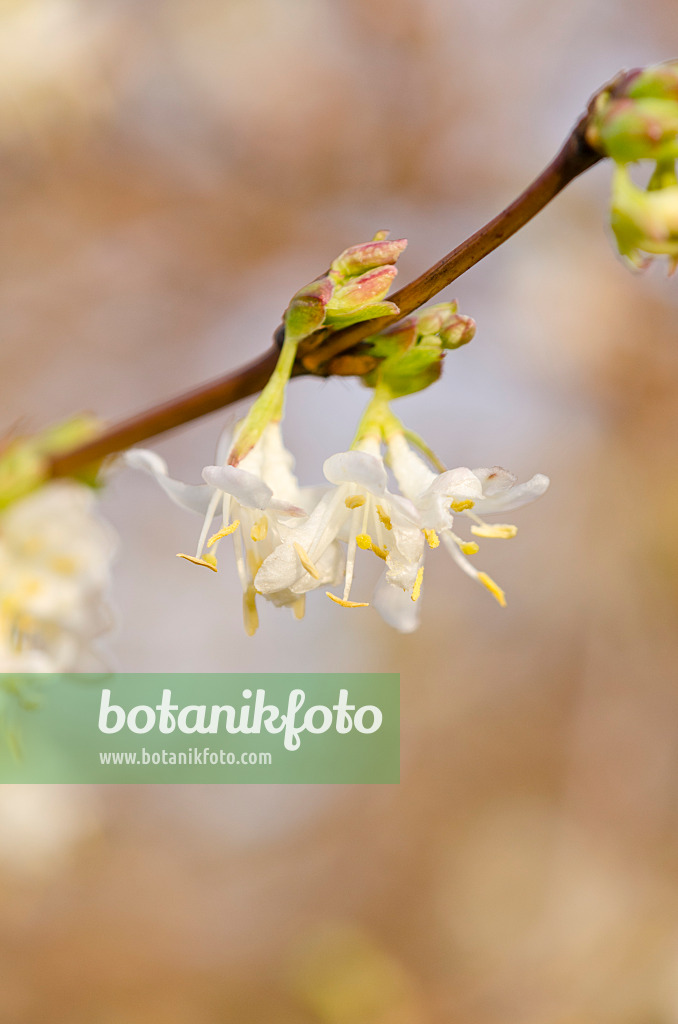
{"x": 495, "y": 590}
{"x": 299, "y": 607}
{"x": 354, "y": 501}
{"x": 225, "y": 531}
{"x": 432, "y": 538}
{"x": 468, "y": 547}
{"x": 501, "y": 531}
{"x": 379, "y": 552}
{"x": 260, "y": 529}
{"x": 250, "y": 614}
{"x": 462, "y": 506}
{"x": 306, "y": 562}
{"x": 254, "y": 563}
{"x": 347, "y": 604}
{"x": 384, "y": 518}
{"x": 364, "y": 541}
{"x": 209, "y": 561}
{"x": 416, "y": 589}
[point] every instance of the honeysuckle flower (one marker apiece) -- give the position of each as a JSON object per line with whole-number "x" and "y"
{"x": 360, "y": 511}
{"x": 55, "y": 556}
{"x": 258, "y": 501}
{"x": 438, "y": 497}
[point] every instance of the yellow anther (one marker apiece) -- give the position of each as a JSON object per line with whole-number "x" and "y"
{"x": 299, "y": 607}
{"x": 306, "y": 562}
{"x": 469, "y": 547}
{"x": 260, "y": 529}
{"x": 462, "y": 506}
{"x": 384, "y": 519}
{"x": 354, "y": 501}
{"x": 380, "y": 552}
{"x": 223, "y": 532}
{"x": 250, "y": 614}
{"x": 416, "y": 589}
{"x": 501, "y": 531}
{"x": 209, "y": 561}
{"x": 364, "y": 541}
{"x": 432, "y": 538}
{"x": 347, "y": 604}
{"x": 495, "y": 590}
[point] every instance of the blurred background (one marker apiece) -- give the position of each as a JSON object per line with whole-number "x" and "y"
{"x": 171, "y": 171}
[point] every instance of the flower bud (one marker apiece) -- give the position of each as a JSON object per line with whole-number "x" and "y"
{"x": 630, "y": 129}
{"x": 361, "y": 298}
{"x": 360, "y": 258}
{"x": 658, "y": 80}
{"x": 306, "y": 311}
{"x": 458, "y": 332}
{"x": 412, "y": 351}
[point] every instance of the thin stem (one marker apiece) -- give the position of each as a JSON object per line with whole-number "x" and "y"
{"x": 574, "y": 158}
{"x": 201, "y": 400}
{"x": 269, "y": 406}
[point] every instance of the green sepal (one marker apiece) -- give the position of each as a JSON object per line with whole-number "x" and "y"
{"x": 373, "y": 312}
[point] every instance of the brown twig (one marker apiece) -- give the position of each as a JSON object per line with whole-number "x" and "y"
{"x": 575, "y": 157}
{"x": 192, "y": 404}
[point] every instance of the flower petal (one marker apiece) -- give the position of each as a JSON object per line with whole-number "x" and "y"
{"x": 514, "y": 497}
{"x": 359, "y": 468}
{"x": 247, "y": 489}
{"x": 396, "y": 607}
{"x": 195, "y": 497}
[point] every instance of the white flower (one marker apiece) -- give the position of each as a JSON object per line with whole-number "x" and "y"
{"x": 438, "y": 497}
{"x": 257, "y": 500}
{"x": 55, "y": 557}
{"x": 359, "y": 511}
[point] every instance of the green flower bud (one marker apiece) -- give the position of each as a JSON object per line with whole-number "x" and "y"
{"x": 459, "y": 332}
{"x": 659, "y": 81}
{"x": 412, "y": 351}
{"x": 644, "y": 129}
{"x": 306, "y": 311}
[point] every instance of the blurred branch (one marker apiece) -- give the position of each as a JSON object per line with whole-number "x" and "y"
{"x": 575, "y": 157}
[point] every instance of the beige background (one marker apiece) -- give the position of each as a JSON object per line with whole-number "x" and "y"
{"x": 170, "y": 173}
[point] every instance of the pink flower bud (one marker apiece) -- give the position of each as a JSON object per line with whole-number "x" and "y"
{"x": 358, "y": 292}
{"x": 360, "y": 258}
{"x": 458, "y": 332}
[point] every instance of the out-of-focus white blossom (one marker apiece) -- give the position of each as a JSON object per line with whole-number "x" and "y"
{"x": 55, "y": 557}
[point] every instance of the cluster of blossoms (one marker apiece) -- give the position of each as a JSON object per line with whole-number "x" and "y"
{"x": 386, "y": 495}
{"x": 637, "y": 120}
{"x": 55, "y": 556}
